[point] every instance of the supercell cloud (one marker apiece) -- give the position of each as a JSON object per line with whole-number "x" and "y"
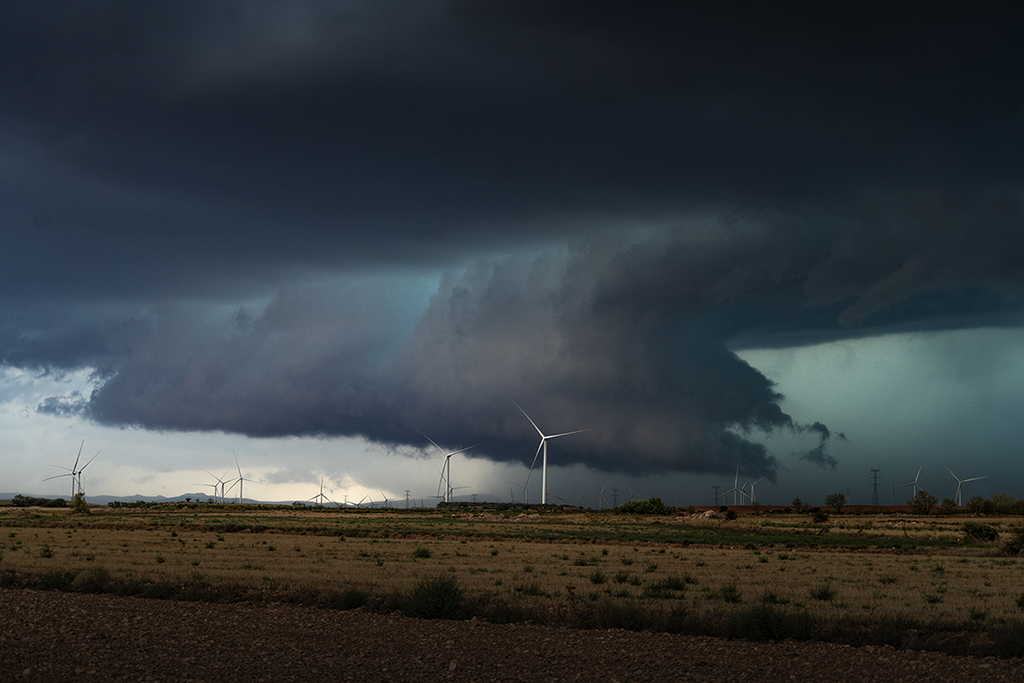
{"x": 377, "y": 218}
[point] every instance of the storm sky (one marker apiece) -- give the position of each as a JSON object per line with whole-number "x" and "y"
{"x": 783, "y": 238}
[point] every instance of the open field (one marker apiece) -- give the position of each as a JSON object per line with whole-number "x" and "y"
{"x": 897, "y": 579}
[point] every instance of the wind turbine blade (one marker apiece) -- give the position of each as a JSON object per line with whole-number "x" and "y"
{"x": 58, "y": 476}
{"x": 462, "y": 450}
{"x": 528, "y": 418}
{"x": 530, "y": 473}
{"x": 973, "y": 479}
{"x": 237, "y": 466}
{"x": 431, "y": 441}
{"x": 555, "y": 436}
{"x": 90, "y": 460}
{"x": 79, "y": 457}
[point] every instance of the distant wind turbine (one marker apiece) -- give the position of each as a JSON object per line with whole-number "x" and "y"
{"x": 74, "y": 472}
{"x": 220, "y": 483}
{"x": 960, "y": 484}
{"x": 446, "y": 468}
{"x": 240, "y": 481}
{"x": 321, "y": 497}
{"x": 753, "y": 498}
{"x": 544, "y": 438}
{"x": 914, "y": 483}
{"x": 738, "y": 490}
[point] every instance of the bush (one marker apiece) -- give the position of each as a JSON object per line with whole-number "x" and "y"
{"x": 421, "y": 552}
{"x": 20, "y": 501}
{"x": 78, "y": 505}
{"x": 728, "y": 592}
{"x": 350, "y": 598}
{"x": 1008, "y": 638}
{"x": 91, "y": 580}
{"x": 766, "y": 622}
{"x": 824, "y": 593}
{"x": 889, "y": 632}
{"x": 1016, "y": 542}
{"x": 439, "y": 597}
{"x": 979, "y": 531}
{"x": 654, "y": 506}
{"x": 55, "y": 580}
{"x": 923, "y": 502}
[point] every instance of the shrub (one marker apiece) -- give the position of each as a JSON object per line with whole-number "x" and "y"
{"x": 438, "y": 597}
{"x": 979, "y": 531}
{"x": 626, "y": 615}
{"x": 78, "y": 505}
{"x": 889, "y": 632}
{"x": 55, "y": 580}
{"x": 1008, "y": 638}
{"x": 654, "y": 506}
{"x": 421, "y": 552}
{"x": 824, "y": 593}
{"x": 350, "y": 598}
{"x": 91, "y": 580}
{"x": 923, "y": 502}
{"x": 766, "y": 622}
{"x": 728, "y": 592}
{"x": 1016, "y": 542}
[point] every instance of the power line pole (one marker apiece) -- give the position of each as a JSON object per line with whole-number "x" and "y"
{"x": 615, "y": 498}
{"x": 874, "y": 487}
{"x": 407, "y": 499}
{"x": 716, "y": 493}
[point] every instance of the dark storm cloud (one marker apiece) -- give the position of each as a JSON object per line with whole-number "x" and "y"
{"x": 743, "y": 174}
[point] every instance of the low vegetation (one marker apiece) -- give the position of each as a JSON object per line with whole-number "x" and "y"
{"x": 905, "y": 580}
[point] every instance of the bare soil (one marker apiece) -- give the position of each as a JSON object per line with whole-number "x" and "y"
{"x": 51, "y": 636}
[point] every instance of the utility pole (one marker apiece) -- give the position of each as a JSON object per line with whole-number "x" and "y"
{"x": 615, "y": 498}
{"x": 474, "y": 498}
{"x": 407, "y": 499}
{"x": 874, "y": 487}
{"x": 716, "y": 493}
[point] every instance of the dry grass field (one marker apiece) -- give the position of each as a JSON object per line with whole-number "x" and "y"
{"x": 888, "y": 579}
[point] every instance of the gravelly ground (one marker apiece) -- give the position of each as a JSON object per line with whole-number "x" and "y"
{"x": 49, "y": 636}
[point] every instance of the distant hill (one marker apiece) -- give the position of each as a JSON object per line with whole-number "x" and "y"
{"x": 103, "y": 500}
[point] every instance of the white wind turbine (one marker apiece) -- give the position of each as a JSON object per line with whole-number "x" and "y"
{"x": 544, "y": 438}
{"x": 79, "y": 475}
{"x": 914, "y": 483}
{"x": 74, "y": 472}
{"x": 240, "y": 481}
{"x": 220, "y": 484}
{"x": 736, "y": 489}
{"x": 321, "y": 497}
{"x": 753, "y": 498}
{"x": 960, "y": 484}
{"x": 446, "y": 468}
